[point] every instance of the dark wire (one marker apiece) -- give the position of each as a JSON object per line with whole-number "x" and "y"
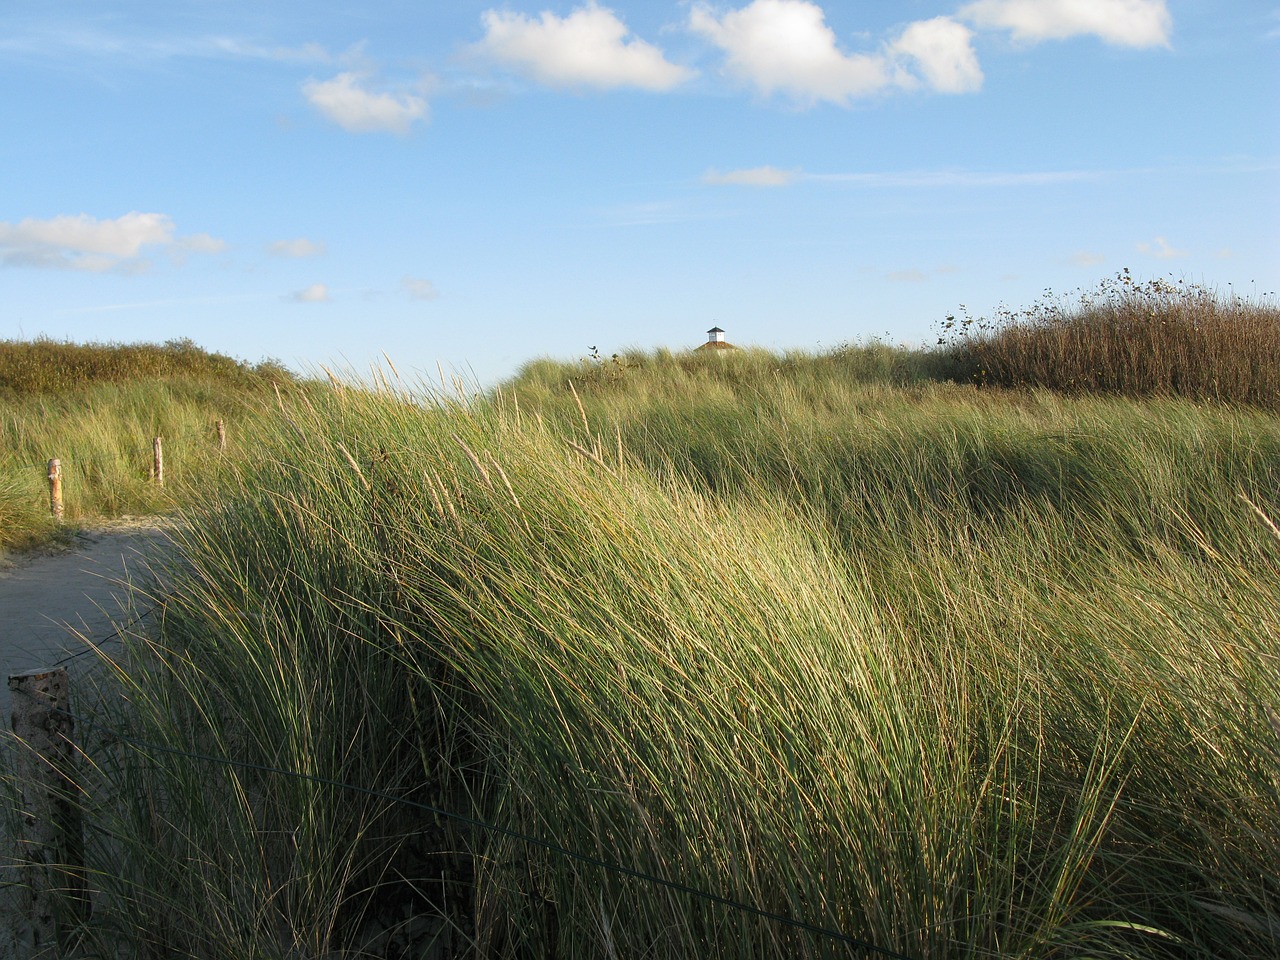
{"x": 504, "y": 831}
{"x": 117, "y": 634}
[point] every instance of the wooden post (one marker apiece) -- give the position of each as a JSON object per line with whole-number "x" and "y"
{"x": 52, "y": 842}
{"x": 157, "y": 468}
{"x": 222, "y": 437}
{"x": 55, "y": 489}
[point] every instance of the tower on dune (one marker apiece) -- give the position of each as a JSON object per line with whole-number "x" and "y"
{"x": 716, "y": 341}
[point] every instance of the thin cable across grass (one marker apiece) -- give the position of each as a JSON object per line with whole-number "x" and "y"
{"x": 115, "y": 737}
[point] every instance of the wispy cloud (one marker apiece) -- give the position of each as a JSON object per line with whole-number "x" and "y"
{"x": 82, "y": 43}
{"x": 1086, "y": 258}
{"x": 754, "y": 177}
{"x": 201, "y": 243}
{"x": 906, "y": 276}
{"x": 82, "y": 242}
{"x": 959, "y": 178}
{"x": 1160, "y": 249}
{"x": 298, "y": 248}
{"x": 305, "y": 53}
{"x": 771, "y": 176}
{"x": 1035, "y": 178}
{"x": 591, "y": 47}
{"x": 316, "y": 293}
{"x": 167, "y": 302}
{"x": 419, "y": 289}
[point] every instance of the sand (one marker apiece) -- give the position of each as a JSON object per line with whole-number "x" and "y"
{"x": 52, "y": 603}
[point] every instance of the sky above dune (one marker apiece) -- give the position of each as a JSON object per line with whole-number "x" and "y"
{"x": 475, "y": 185}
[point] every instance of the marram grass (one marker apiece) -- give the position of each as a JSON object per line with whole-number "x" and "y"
{"x": 98, "y": 408}
{"x": 958, "y": 676}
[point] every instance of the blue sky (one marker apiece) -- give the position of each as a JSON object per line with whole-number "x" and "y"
{"x": 477, "y": 184}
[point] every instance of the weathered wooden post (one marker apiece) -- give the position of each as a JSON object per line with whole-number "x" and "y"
{"x": 55, "y": 488}
{"x": 222, "y": 437}
{"x": 52, "y": 841}
{"x": 157, "y": 465}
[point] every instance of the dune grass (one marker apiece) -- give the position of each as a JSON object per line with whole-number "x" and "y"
{"x": 97, "y": 408}
{"x": 951, "y": 672}
{"x": 46, "y": 366}
{"x": 957, "y": 674}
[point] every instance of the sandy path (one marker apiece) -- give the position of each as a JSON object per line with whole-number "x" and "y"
{"x": 49, "y": 604}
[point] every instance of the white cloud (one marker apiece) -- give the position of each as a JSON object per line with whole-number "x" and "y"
{"x": 418, "y": 288}
{"x": 1161, "y": 250}
{"x": 347, "y": 102}
{"x": 753, "y": 177}
{"x": 588, "y": 48}
{"x": 316, "y": 293}
{"x": 943, "y": 51}
{"x": 297, "y": 249}
{"x": 1128, "y": 23}
{"x": 82, "y": 242}
{"x": 122, "y": 237}
{"x": 785, "y": 46}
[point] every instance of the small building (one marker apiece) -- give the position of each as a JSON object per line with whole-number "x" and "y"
{"x": 716, "y": 341}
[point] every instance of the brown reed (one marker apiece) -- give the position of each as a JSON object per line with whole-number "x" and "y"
{"x": 1127, "y": 337}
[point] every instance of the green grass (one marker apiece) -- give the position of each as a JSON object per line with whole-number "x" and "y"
{"x": 966, "y": 676}
{"x": 959, "y": 672}
{"x": 47, "y": 366}
{"x": 98, "y": 409}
